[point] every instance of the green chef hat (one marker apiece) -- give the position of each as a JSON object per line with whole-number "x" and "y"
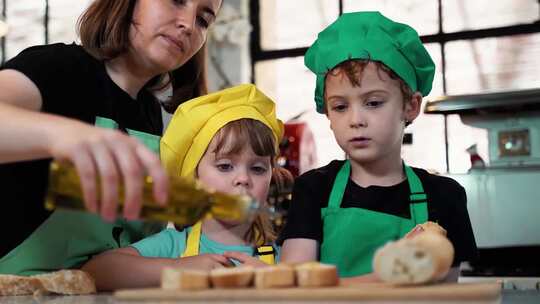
{"x": 370, "y": 35}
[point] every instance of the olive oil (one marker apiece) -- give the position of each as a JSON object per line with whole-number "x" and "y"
{"x": 188, "y": 201}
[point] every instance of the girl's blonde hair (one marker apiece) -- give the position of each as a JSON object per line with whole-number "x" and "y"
{"x": 234, "y": 137}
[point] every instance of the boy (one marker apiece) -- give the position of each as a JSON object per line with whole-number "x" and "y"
{"x": 371, "y": 75}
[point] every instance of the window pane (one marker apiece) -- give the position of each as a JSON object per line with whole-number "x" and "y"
{"x": 493, "y": 64}
{"x": 461, "y": 137}
{"x": 420, "y": 14}
{"x": 467, "y": 15}
{"x": 293, "y": 24}
{"x": 1, "y": 20}
{"x": 428, "y": 147}
{"x": 26, "y": 28}
{"x": 63, "y": 15}
{"x": 292, "y": 86}
{"x": 1, "y": 10}
{"x": 434, "y": 50}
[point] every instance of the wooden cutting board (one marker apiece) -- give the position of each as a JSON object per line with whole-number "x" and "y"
{"x": 374, "y": 292}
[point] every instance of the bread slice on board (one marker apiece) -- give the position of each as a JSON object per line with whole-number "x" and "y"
{"x": 11, "y": 285}
{"x": 275, "y": 276}
{"x": 315, "y": 274}
{"x": 234, "y": 277}
{"x": 182, "y": 279}
{"x": 68, "y": 282}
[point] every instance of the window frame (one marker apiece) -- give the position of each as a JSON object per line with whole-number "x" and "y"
{"x": 46, "y": 20}
{"x": 3, "y": 14}
{"x": 259, "y": 54}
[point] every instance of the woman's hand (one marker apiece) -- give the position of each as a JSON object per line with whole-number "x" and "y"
{"x": 28, "y": 134}
{"x": 204, "y": 262}
{"x": 244, "y": 259}
{"x": 113, "y": 156}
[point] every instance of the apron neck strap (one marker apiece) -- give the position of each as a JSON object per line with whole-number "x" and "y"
{"x": 415, "y": 185}
{"x": 417, "y": 198}
{"x": 340, "y": 183}
{"x": 193, "y": 240}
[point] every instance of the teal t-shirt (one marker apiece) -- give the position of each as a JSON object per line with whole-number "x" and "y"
{"x": 171, "y": 243}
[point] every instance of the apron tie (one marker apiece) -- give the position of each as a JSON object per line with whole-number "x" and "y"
{"x": 265, "y": 253}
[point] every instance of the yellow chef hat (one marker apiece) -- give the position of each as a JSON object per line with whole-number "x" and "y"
{"x": 195, "y": 123}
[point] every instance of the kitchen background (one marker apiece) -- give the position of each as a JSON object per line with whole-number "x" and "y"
{"x": 478, "y": 46}
{"x": 486, "y": 47}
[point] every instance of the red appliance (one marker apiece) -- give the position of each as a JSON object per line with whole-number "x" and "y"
{"x": 298, "y": 153}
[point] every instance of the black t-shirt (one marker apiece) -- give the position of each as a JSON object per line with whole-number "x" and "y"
{"x": 446, "y": 205}
{"x": 74, "y": 84}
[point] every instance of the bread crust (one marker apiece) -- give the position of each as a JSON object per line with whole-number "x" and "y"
{"x": 426, "y": 227}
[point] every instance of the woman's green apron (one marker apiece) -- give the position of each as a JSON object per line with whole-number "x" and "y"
{"x": 67, "y": 239}
{"x": 352, "y": 235}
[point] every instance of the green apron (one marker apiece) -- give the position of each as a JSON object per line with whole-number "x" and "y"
{"x": 67, "y": 239}
{"x": 352, "y": 235}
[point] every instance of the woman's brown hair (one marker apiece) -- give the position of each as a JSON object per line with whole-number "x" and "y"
{"x": 104, "y": 32}
{"x": 232, "y": 138}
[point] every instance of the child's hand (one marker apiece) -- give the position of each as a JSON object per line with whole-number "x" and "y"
{"x": 204, "y": 262}
{"x": 244, "y": 259}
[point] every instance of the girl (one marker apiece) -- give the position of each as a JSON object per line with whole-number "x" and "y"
{"x": 50, "y": 96}
{"x": 228, "y": 140}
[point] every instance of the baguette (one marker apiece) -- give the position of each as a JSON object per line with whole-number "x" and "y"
{"x": 315, "y": 274}
{"x": 67, "y": 282}
{"x": 426, "y": 257}
{"x": 233, "y": 277}
{"x": 181, "y": 279}
{"x": 275, "y": 276}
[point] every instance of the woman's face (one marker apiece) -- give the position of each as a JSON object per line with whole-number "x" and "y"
{"x": 165, "y": 34}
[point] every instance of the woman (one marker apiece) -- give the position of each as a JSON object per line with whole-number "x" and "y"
{"x": 50, "y": 94}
